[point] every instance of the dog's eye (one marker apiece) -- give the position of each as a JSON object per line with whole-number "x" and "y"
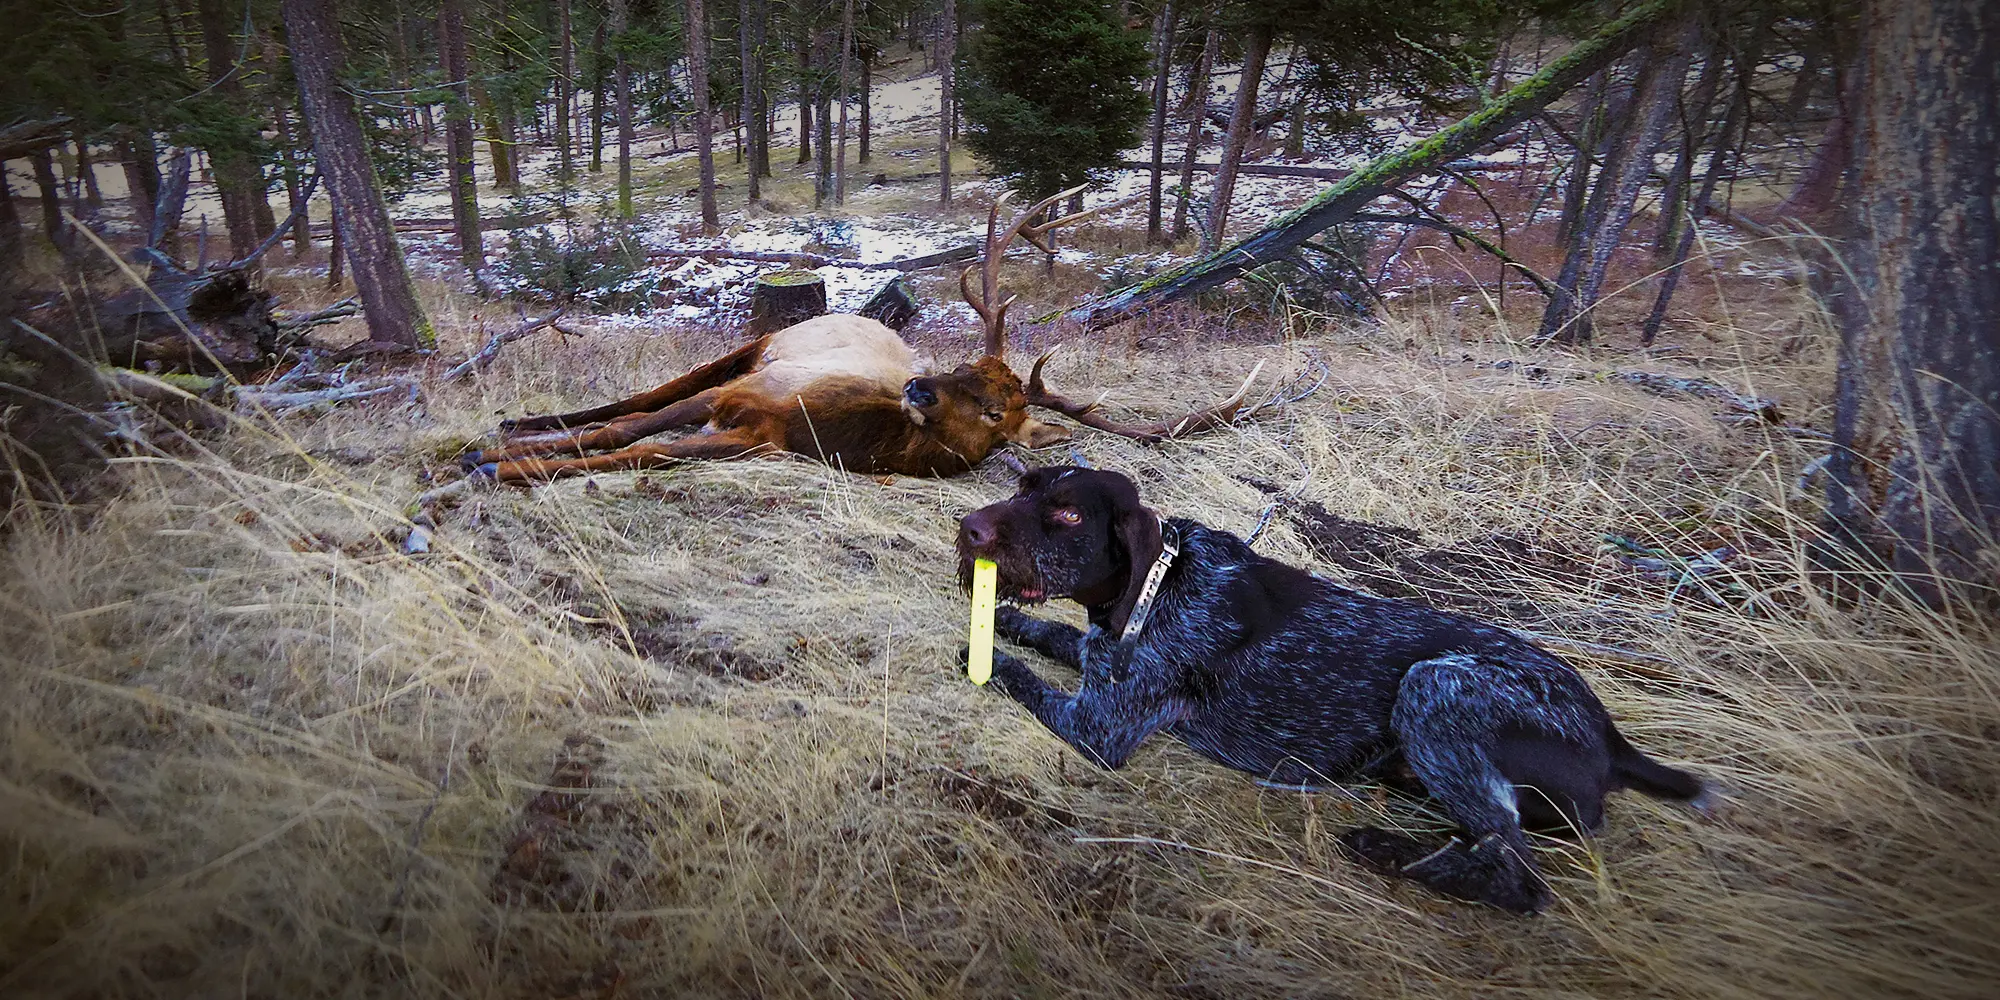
{"x": 1065, "y": 515}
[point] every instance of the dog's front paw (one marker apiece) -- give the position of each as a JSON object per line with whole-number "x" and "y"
{"x": 1013, "y": 624}
{"x": 1008, "y": 670}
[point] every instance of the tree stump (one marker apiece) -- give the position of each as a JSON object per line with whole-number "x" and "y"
{"x": 893, "y": 305}
{"x": 783, "y": 298}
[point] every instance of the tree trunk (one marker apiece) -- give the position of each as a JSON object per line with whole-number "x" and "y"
{"x": 10, "y": 238}
{"x": 1694, "y": 115}
{"x": 238, "y": 180}
{"x": 846, "y": 85}
{"x": 597, "y": 99}
{"x": 289, "y": 157}
{"x": 619, "y": 20}
{"x": 947, "y": 45}
{"x": 867, "y": 102}
{"x": 458, "y": 142}
{"x": 1819, "y": 190}
{"x": 1197, "y": 116}
{"x": 295, "y": 193}
{"x": 1255, "y": 48}
{"x": 336, "y": 257}
{"x": 1163, "y": 59}
{"x": 497, "y": 146}
{"x": 704, "y": 125}
{"x": 1926, "y": 231}
{"x": 1589, "y": 137}
{"x": 387, "y": 297}
{"x": 565, "y": 88}
{"x": 142, "y": 176}
{"x": 805, "y": 95}
{"x": 165, "y": 234}
{"x": 1344, "y": 199}
{"x": 760, "y": 154}
{"x": 1720, "y": 152}
{"x": 92, "y": 196}
{"x": 823, "y": 113}
{"x": 1627, "y": 163}
{"x": 752, "y": 127}
{"x": 53, "y": 224}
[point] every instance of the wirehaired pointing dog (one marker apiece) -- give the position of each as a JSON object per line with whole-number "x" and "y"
{"x": 1268, "y": 669}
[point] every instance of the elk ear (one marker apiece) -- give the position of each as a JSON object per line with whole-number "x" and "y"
{"x": 1138, "y": 530}
{"x": 1036, "y": 434}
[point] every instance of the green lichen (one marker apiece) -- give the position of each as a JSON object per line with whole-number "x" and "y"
{"x": 788, "y": 277}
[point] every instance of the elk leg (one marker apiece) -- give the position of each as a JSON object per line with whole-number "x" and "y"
{"x": 734, "y": 365}
{"x": 627, "y": 430}
{"x": 737, "y": 442}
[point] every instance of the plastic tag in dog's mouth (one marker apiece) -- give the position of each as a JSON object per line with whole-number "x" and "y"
{"x": 979, "y": 649}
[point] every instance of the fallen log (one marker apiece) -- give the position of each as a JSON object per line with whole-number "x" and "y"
{"x": 325, "y": 228}
{"x": 1248, "y": 169}
{"x": 1346, "y": 198}
{"x": 1316, "y": 173}
{"x": 800, "y": 258}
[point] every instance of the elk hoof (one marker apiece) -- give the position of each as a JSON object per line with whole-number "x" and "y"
{"x": 487, "y": 472}
{"x": 470, "y": 460}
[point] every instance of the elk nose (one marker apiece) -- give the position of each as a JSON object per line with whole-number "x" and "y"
{"x": 979, "y": 531}
{"x": 919, "y": 394}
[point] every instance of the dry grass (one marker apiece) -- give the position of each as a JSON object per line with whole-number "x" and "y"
{"x": 249, "y": 750}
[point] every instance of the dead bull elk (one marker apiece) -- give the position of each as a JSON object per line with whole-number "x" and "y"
{"x": 842, "y": 389}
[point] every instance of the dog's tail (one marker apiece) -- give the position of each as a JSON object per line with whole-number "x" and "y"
{"x": 1641, "y": 773}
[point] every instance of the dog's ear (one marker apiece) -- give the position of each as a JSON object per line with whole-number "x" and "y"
{"x": 1137, "y": 531}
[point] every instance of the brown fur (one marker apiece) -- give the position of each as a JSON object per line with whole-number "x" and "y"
{"x": 842, "y": 389}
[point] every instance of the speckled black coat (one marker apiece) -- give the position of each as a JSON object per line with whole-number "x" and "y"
{"x": 1268, "y": 669}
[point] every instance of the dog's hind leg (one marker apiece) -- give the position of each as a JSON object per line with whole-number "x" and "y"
{"x": 1446, "y": 722}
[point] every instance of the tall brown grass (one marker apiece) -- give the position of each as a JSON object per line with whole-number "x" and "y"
{"x": 252, "y": 750}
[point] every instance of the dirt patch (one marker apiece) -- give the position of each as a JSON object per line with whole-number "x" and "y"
{"x": 545, "y": 864}
{"x": 673, "y": 640}
{"x": 1489, "y": 575}
{"x": 999, "y": 798}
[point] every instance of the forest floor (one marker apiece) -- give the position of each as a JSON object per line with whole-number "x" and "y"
{"x": 700, "y": 732}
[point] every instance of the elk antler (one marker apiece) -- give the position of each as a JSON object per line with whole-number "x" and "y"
{"x": 993, "y": 316}
{"x": 1086, "y": 414}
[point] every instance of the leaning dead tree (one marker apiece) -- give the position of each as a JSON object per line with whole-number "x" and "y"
{"x": 1344, "y": 200}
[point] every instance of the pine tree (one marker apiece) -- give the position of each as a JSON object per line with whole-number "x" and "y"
{"x": 1051, "y": 92}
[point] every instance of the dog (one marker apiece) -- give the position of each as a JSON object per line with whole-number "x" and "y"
{"x": 1268, "y": 669}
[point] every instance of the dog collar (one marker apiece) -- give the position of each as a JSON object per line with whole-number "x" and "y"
{"x": 1169, "y": 548}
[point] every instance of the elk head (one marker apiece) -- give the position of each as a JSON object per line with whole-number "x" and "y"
{"x": 982, "y": 404}
{"x": 993, "y": 316}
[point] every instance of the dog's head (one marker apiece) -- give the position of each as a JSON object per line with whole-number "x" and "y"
{"x": 1069, "y": 532}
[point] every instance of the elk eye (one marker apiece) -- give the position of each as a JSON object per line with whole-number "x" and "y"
{"x": 992, "y": 417}
{"x": 1066, "y": 516}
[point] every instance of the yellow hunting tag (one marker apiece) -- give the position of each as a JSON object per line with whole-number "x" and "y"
{"x": 979, "y": 652}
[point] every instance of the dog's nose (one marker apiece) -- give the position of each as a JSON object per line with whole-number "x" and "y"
{"x": 980, "y": 530}
{"x": 919, "y": 393}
